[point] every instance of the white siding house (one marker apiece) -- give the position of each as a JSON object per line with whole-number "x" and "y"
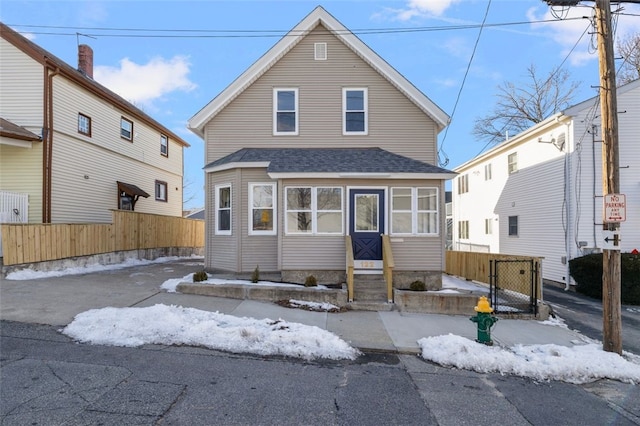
{"x": 63, "y": 144}
{"x": 540, "y": 193}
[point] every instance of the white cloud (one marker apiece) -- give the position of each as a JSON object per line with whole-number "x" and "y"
{"x": 145, "y": 83}
{"x": 566, "y": 33}
{"x": 416, "y": 8}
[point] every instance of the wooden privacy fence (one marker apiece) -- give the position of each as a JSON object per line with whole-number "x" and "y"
{"x": 30, "y": 243}
{"x": 475, "y": 267}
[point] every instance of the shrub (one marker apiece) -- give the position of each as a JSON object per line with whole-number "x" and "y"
{"x": 255, "y": 276}
{"x": 587, "y": 273}
{"x": 417, "y": 286}
{"x": 200, "y": 276}
{"x": 310, "y": 281}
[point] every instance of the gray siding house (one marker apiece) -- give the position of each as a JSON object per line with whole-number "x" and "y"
{"x": 321, "y": 139}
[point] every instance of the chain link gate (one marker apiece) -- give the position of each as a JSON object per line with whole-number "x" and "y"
{"x": 513, "y": 286}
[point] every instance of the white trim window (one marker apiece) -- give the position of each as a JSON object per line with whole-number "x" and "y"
{"x": 355, "y": 111}
{"x": 223, "y": 209}
{"x": 262, "y": 209}
{"x": 126, "y": 129}
{"x": 512, "y": 162}
{"x": 414, "y": 211}
{"x": 285, "y": 111}
{"x": 314, "y": 210}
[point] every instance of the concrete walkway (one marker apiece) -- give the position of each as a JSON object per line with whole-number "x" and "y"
{"x": 56, "y": 301}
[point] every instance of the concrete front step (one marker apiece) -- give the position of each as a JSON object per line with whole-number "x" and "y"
{"x": 370, "y": 306}
{"x": 369, "y": 288}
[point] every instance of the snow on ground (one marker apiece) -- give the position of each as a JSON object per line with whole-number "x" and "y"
{"x": 172, "y": 284}
{"x": 173, "y": 325}
{"x": 30, "y": 274}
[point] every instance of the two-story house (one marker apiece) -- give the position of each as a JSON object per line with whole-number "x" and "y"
{"x": 319, "y": 139}
{"x": 540, "y": 193}
{"x": 75, "y": 149}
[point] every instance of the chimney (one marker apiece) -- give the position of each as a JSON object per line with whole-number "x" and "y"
{"x": 85, "y": 60}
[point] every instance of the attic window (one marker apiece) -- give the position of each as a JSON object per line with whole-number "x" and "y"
{"x": 320, "y": 51}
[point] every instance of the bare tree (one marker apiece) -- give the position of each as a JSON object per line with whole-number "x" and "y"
{"x": 629, "y": 50}
{"x": 521, "y": 105}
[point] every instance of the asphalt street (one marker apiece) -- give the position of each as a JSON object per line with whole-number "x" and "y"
{"x": 47, "y": 379}
{"x": 584, "y": 314}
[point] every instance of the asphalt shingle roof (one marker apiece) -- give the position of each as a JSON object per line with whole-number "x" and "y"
{"x": 329, "y": 160}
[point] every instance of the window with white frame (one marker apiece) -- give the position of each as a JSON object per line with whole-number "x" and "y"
{"x": 126, "y": 129}
{"x": 285, "y": 111}
{"x": 164, "y": 145}
{"x": 262, "y": 209}
{"x": 414, "y": 211}
{"x": 161, "y": 191}
{"x": 463, "y": 184}
{"x": 488, "y": 226}
{"x": 463, "y": 229}
{"x": 223, "y": 209}
{"x": 512, "y": 161}
{"x": 313, "y": 210}
{"x": 355, "y": 111}
{"x": 487, "y": 171}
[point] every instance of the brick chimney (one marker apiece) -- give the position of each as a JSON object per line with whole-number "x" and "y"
{"x": 85, "y": 60}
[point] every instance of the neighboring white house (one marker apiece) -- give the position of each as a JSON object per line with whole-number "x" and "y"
{"x": 73, "y": 147}
{"x": 540, "y": 193}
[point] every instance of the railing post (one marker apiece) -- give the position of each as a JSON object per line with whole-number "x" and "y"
{"x": 349, "y": 263}
{"x": 387, "y": 266}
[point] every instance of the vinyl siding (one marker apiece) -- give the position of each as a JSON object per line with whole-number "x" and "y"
{"x": 395, "y": 123}
{"x": 106, "y": 158}
{"x": 22, "y": 172}
{"x": 222, "y": 250}
{"x": 21, "y": 88}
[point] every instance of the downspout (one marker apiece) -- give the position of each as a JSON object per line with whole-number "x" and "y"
{"x": 568, "y": 201}
{"x": 47, "y": 139}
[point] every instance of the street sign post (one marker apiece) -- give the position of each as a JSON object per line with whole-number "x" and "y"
{"x": 615, "y": 208}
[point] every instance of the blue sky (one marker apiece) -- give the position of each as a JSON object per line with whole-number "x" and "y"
{"x": 172, "y": 77}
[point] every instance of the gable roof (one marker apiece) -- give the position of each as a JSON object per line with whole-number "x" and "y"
{"x": 319, "y": 16}
{"x": 46, "y": 58}
{"x": 330, "y": 163}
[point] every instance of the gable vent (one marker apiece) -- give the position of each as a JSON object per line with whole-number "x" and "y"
{"x": 320, "y": 50}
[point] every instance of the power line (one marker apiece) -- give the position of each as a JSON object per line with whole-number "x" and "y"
{"x": 464, "y": 79}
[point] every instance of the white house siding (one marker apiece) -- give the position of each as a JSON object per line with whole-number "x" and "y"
{"x": 22, "y": 173}
{"x": 222, "y": 250}
{"x": 105, "y": 158}
{"x": 21, "y": 88}
{"x": 395, "y": 123}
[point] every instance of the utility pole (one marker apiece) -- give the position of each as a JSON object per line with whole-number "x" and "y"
{"x": 611, "y": 275}
{"x": 611, "y": 270}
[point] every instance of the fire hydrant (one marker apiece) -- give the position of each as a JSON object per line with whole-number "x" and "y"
{"x": 485, "y": 321}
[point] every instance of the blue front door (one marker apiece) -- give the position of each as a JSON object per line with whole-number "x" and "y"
{"x": 366, "y": 223}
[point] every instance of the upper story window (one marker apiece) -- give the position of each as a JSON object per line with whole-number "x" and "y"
{"x": 487, "y": 171}
{"x": 164, "y": 145}
{"x": 488, "y": 226}
{"x": 313, "y": 210}
{"x": 463, "y": 184}
{"x": 463, "y": 229}
{"x": 513, "y": 226}
{"x": 414, "y": 211}
{"x": 161, "y": 191}
{"x": 223, "y": 209}
{"x": 126, "y": 129}
{"x": 84, "y": 124}
{"x": 512, "y": 161}
{"x": 320, "y": 51}
{"x": 354, "y": 111}
{"x": 262, "y": 209}
{"x": 285, "y": 111}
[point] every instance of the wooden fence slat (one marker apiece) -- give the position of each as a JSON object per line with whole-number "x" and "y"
{"x": 30, "y": 243}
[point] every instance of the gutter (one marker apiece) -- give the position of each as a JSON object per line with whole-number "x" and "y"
{"x": 47, "y": 138}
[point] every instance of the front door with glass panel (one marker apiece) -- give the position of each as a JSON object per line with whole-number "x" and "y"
{"x": 366, "y": 225}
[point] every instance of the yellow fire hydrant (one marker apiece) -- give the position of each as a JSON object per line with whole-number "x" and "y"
{"x": 485, "y": 321}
